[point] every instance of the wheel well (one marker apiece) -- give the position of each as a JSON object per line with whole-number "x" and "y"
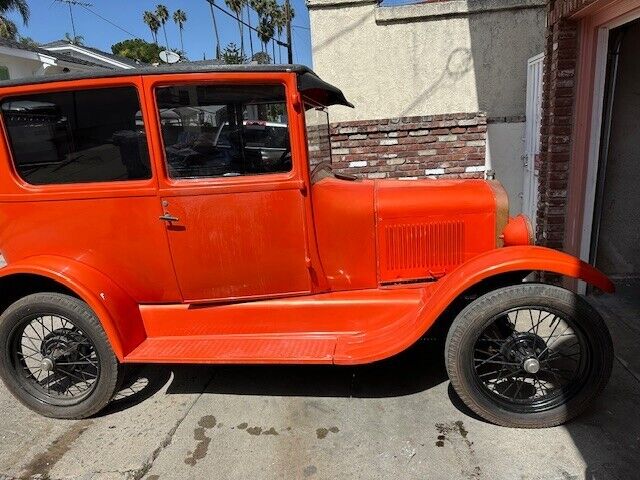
{"x": 14, "y": 287}
{"x": 441, "y": 327}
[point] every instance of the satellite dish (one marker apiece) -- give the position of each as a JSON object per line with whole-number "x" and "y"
{"x": 167, "y": 56}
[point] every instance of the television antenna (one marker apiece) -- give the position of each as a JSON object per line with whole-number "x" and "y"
{"x": 69, "y": 4}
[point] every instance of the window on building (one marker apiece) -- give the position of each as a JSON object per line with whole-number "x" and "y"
{"x": 218, "y": 131}
{"x": 4, "y": 73}
{"x": 78, "y": 136}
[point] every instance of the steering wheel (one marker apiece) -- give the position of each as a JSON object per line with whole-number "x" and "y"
{"x": 287, "y": 151}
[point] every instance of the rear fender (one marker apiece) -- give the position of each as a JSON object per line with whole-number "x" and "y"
{"x": 117, "y": 311}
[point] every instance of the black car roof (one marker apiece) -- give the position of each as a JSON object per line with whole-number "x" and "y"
{"x": 308, "y": 81}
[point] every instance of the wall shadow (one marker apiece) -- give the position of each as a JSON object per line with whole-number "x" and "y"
{"x": 608, "y": 434}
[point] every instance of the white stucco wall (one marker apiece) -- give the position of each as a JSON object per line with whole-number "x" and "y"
{"x": 434, "y": 58}
{"x": 19, "y": 67}
{"x": 428, "y": 58}
{"x": 505, "y": 146}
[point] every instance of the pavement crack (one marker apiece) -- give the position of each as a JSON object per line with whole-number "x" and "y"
{"x": 42, "y": 463}
{"x": 138, "y": 473}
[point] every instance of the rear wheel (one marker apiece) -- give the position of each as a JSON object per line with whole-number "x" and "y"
{"x": 55, "y": 357}
{"x": 529, "y": 355}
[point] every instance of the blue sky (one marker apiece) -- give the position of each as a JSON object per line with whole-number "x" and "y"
{"x": 50, "y": 20}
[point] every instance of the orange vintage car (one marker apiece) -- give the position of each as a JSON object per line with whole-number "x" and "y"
{"x": 173, "y": 216}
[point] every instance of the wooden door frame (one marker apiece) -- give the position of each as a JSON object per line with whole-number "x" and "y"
{"x": 595, "y": 22}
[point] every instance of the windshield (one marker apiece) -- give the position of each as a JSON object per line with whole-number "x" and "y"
{"x": 318, "y": 135}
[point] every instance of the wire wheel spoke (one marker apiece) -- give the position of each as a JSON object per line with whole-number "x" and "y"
{"x": 528, "y": 357}
{"x": 54, "y": 359}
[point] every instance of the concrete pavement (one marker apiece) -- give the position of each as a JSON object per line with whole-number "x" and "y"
{"x": 396, "y": 419}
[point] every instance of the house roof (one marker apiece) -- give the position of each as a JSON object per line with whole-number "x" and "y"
{"x": 5, "y": 42}
{"x": 97, "y": 51}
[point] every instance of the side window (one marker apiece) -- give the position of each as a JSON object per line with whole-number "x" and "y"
{"x": 218, "y": 131}
{"x": 77, "y": 136}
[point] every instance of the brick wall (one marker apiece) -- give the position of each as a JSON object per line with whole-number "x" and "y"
{"x": 558, "y": 102}
{"x": 556, "y": 129}
{"x": 443, "y": 146}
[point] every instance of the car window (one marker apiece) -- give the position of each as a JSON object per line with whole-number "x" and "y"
{"x": 218, "y": 130}
{"x": 81, "y": 136}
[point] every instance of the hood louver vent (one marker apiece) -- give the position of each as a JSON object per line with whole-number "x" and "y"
{"x": 421, "y": 250}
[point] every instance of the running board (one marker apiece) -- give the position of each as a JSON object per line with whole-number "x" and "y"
{"x": 247, "y": 349}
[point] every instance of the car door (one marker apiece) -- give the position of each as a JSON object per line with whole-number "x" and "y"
{"x": 76, "y": 171}
{"x": 234, "y": 210}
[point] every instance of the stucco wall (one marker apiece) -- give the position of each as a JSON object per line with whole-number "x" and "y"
{"x": 19, "y": 67}
{"x": 425, "y": 59}
{"x": 504, "y": 156}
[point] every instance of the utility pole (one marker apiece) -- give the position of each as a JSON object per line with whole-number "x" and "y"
{"x": 289, "y": 44}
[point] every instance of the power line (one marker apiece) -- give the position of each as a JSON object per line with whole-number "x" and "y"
{"x": 109, "y": 21}
{"x": 236, "y": 19}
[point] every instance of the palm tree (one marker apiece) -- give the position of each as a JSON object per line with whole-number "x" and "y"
{"x": 236, "y": 7}
{"x": 279, "y": 22}
{"x": 248, "y": 4}
{"x": 266, "y": 10}
{"x": 258, "y": 6}
{"x": 289, "y": 14}
{"x": 8, "y": 29}
{"x": 74, "y": 39}
{"x": 215, "y": 28}
{"x": 162, "y": 14}
{"x": 153, "y": 23}
{"x": 265, "y": 31}
{"x": 180, "y": 17}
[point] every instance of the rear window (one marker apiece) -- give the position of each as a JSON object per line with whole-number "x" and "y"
{"x": 79, "y": 136}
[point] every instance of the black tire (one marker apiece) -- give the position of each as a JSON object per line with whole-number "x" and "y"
{"x": 76, "y": 340}
{"x": 467, "y": 354}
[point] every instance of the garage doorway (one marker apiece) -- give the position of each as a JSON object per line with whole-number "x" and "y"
{"x": 615, "y": 239}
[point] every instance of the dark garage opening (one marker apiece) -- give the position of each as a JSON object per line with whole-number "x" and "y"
{"x": 616, "y": 235}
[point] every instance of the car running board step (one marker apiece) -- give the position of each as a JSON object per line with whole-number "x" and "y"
{"x": 254, "y": 349}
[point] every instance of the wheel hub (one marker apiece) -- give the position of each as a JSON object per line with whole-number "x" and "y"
{"x": 526, "y": 349}
{"x": 531, "y": 365}
{"x": 46, "y": 365}
{"x": 62, "y": 342}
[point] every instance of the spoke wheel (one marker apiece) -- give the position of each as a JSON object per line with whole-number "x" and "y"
{"x": 530, "y": 359}
{"x": 55, "y": 356}
{"x": 54, "y": 360}
{"x": 528, "y": 355}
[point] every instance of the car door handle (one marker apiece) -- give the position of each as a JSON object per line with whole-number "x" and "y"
{"x": 167, "y": 217}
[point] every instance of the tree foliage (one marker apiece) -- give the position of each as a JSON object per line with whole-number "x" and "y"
{"x": 8, "y": 29}
{"x": 232, "y": 55}
{"x": 150, "y": 19}
{"x": 138, "y": 49}
{"x": 74, "y": 39}
{"x": 261, "y": 57}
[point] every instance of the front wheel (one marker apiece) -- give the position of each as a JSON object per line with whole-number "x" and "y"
{"x": 529, "y": 356}
{"x": 55, "y": 357}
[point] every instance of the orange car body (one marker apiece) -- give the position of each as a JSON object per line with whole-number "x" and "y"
{"x": 266, "y": 268}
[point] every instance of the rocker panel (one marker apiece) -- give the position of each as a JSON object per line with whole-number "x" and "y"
{"x": 335, "y": 313}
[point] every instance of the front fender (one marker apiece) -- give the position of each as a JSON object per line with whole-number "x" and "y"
{"x": 521, "y": 258}
{"x": 505, "y": 260}
{"x": 117, "y": 311}
{"x": 386, "y": 342}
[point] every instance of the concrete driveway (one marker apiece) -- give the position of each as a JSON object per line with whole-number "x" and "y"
{"x": 397, "y": 419}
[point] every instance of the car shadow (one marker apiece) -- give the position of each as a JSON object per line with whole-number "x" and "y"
{"x": 419, "y": 368}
